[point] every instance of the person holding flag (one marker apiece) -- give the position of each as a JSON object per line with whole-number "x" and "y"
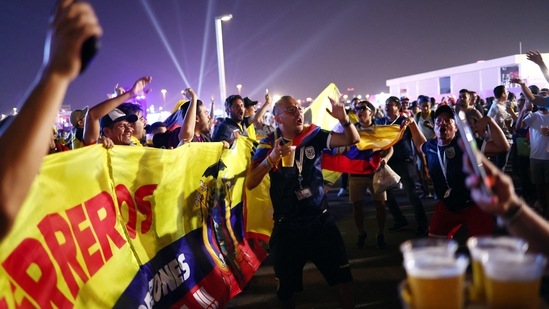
{"x": 360, "y": 183}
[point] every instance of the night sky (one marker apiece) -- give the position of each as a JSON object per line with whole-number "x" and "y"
{"x": 288, "y": 46}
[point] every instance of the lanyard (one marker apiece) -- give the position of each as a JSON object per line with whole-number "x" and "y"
{"x": 299, "y": 165}
{"x": 392, "y": 122}
{"x": 443, "y": 164}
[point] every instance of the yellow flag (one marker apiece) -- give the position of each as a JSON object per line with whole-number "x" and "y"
{"x": 316, "y": 112}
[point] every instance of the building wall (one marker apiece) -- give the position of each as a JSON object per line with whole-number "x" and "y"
{"x": 481, "y": 77}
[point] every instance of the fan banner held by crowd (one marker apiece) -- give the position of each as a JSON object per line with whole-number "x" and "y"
{"x": 134, "y": 227}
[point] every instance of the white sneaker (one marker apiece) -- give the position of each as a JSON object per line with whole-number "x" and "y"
{"x": 341, "y": 192}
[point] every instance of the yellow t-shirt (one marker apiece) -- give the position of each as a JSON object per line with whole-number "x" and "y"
{"x": 135, "y": 141}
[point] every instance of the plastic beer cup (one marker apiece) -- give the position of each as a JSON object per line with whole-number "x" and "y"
{"x": 288, "y": 160}
{"x": 513, "y": 280}
{"x": 428, "y": 247}
{"x": 436, "y": 281}
{"x": 478, "y": 246}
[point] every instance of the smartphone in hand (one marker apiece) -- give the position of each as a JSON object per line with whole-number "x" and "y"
{"x": 88, "y": 51}
{"x": 473, "y": 152}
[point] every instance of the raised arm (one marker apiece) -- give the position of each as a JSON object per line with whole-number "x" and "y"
{"x": 536, "y": 58}
{"x": 350, "y": 135}
{"x": 72, "y": 24}
{"x": 417, "y": 136}
{"x": 258, "y": 116}
{"x": 499, "y": 142}
{"x": 526, "y": 109}
{"x": 525, "y": 90}
{"x": 91, "y": 124}
{"x": 186, "y": 133}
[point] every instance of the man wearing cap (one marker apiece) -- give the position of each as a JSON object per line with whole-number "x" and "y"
{"x": 77, "y": 120}
{"x": 444, "y": 157}
{"x": 255, "y": 115}
{"x": 108, "y": 121}
{"x": 139, "y": 133}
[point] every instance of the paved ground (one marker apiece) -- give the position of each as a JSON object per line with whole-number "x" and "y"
{"x": 377, "y": 272}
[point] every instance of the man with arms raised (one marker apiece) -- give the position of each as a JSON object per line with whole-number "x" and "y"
{"x": 444, "y": 157}
{"x": 105, "y": 119}
{"x": 303, "y": 230}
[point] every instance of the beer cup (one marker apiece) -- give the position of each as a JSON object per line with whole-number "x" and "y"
{"x": 436, "y": 281}
{"x": 428, "y": 247}
{"x": 512, "y": 280}
{"x": 479, "y": 245}
{"x": 288, "y": 160}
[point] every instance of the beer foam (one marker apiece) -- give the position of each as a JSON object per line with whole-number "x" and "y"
{"x": 513, "y": 267}
{"x": 435, "y": 266}
{"x": 478, "y": 245}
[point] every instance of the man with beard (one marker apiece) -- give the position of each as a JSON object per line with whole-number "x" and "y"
{"x": 235, "y": 124}
{"x": 455, "y": 206}
{"x": 303, "y": 229}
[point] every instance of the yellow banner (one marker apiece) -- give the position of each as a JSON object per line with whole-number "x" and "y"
{"x": 131, "y": 227}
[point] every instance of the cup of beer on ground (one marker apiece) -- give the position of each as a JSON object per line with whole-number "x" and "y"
{"x": 288, "y": 160}
{"x": 477, "y": 247}
{"x": 428, "y": 247}
{"x": 435, "y": 281}
{"x": 513, "y": 280}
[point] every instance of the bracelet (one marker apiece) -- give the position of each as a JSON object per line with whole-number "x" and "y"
{"x": 347, "y": 124}
{"x": 511, "y": 215}
{"x": 271, "y": 163}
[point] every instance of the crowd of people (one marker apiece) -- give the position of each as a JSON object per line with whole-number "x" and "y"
{"x": 512, "y": 133}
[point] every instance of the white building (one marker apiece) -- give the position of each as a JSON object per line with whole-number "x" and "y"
{"x": 481, "y": 77}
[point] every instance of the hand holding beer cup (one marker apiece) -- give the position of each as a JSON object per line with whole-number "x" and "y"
{"x": 289, "y": 158}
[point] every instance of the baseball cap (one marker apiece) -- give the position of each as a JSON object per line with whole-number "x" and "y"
{"x": 404, "y": 98}
{"x": 413, "y": 105}
{"x": 423, "y": 98}
{"x": 115, "y": 116}
{"x": 248, "y": 102}
{"x": 444, "y": 109}
{"x": 78, "y": 114}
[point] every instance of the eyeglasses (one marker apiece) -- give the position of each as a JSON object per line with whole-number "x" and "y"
{"x": 362, "y": 108}
{"x": 293, "y": 110}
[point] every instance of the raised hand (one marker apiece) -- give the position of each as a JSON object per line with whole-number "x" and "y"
{"x": 72, "y": 24}
{"x": 535, "y": 57}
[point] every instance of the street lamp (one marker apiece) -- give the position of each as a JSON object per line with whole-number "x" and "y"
{"x": 220, "y": 59}
{"x": 238, "y": 88}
